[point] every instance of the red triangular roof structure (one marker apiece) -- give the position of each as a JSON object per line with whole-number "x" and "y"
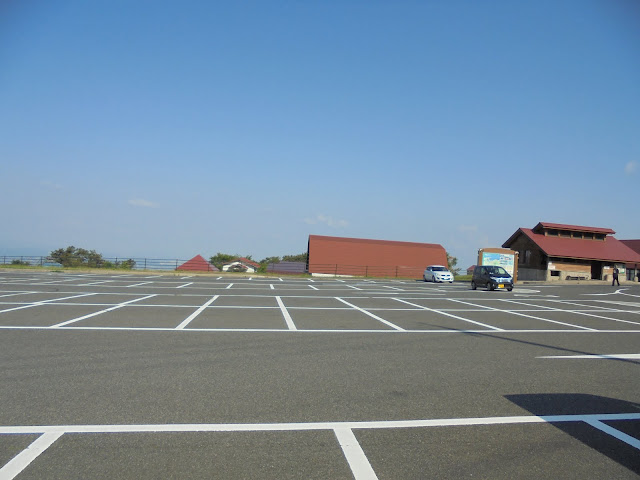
{"x": 198, "y": 264}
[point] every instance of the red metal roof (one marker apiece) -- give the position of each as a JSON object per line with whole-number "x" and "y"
{"x": 198, "y": 264}
{"x": 572, "y": 228}
{"x": 611, "y": 249}
{"x": 632, "y": 244}
{"x": 243, "y": 260}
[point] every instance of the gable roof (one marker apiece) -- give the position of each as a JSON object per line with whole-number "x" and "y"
{"x": 572, "y": 228}
{"x": 610, "y": 250}
{"x": 243, "y": 260}
{"x": 198, "y": 264}
{"x": 632, "y": 244}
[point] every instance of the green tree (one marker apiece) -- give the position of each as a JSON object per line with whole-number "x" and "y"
{"x": 77, "y": 257}
{"x": 451, "y": 263}
{"x": 301, "y": 257}
{"x": 264, "y": 263}
{"x": 220, "y": 259}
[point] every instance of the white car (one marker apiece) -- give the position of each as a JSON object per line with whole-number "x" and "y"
{"x": 437, "y": 273}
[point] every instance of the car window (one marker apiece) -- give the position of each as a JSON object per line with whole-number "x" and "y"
{"x": 495, "y": 270}
{"x": 439, "y": 269}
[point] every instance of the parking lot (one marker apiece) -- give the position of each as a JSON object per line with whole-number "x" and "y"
{"x": 167, "y": 376}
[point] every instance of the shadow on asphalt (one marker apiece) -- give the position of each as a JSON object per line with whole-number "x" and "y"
{"x": 543, "y": 404}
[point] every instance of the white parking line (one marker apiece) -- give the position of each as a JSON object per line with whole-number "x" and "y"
{"x": 286, "y": 315}
{"x": 15, "y": 293}
{"x": 138, "y": 284}
{"x": 44, "y": 302}
{"x": 356, "y": 458}
{"x": 386, "y": 322}
{"x": 618, "y": 356}
{"x": 525, "y": 315}
{"x": 450, "y": 315}
{"x": 115, "y": 307}
{"x": 21, "y": 461}
{"x": 577, "y": 312}
{"x": 358, "y": 462}
{"x": 188, "y": 320}
{"x": 185, "y": 285}
{"x": 288, "y": 427}
{"x": 603, "y": 427}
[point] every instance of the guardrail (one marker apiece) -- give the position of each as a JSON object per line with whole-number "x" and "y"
{"x": 124, "y": 263}
{"x": 138, "y": 263}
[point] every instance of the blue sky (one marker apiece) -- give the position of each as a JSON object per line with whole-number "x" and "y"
{"x": 170, "y": 129}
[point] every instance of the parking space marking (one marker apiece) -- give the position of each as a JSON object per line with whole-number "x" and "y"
{"x": 525, "y": 315}
{"x": 43, "y": 302}
{"x": 577, "y": 312}
{"x": 603, "y": 427}
{"x": 615, "y": 356}
{"x": 16, "y": 293}
{"x": 229, "y": 286}
{"x": 286, "y": 315}
{"x": 185, "y": 285}
{"x": 386, "y": 322}
{"x": 190, "y": 318}
{"x": 21, "y": 461}
{"x": 626, "y": 304}
{"x": 450, "y": 315}
{"x": 115, "y": 307}
{"x": 138, "y": 284}
{"x": 356, "y": 458}
{"x": 292, "y": 426}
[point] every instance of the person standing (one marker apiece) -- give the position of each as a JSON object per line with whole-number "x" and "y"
{"x": 615, "y": 276}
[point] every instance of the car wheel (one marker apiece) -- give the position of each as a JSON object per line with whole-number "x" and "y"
{"x": 473, "y": 285}
{"x": 425, "y": 277}
{"x": 509, "y": 288}
{"x": 489, "y": 286}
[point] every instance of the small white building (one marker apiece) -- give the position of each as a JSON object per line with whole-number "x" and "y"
{"x": 241, "y": 265}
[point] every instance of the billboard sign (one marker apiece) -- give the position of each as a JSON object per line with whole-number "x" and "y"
{"x": 503, "y": 260}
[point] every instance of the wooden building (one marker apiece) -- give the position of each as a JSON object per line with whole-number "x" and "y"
{"x": 553, "y": 251}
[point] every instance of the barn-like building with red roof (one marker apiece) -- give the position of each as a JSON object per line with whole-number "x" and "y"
{"x": 198, "y": 264}
{"x": 371, "y": 258}
{"x": 556, "y": 251}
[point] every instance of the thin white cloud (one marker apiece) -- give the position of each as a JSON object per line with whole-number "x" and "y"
{"x": 467, "y": 228}
{"x": 139, "y": 202}
{"x": 631, "y": 167}
{"x": 327, "y": 220}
